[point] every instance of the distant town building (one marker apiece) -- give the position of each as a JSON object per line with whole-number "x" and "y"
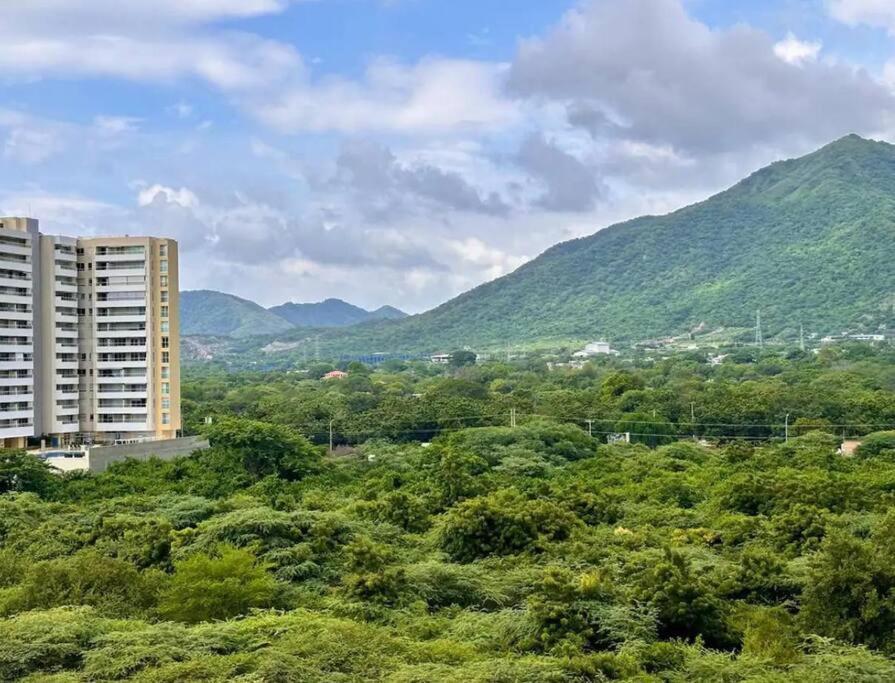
{"x": 441, "y": 358}
{"x": 597, "y": 348}
{"x": 335, "y": 374}
{"x": 839, "y": 338}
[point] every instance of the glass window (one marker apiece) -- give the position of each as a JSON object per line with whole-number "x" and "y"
{"x": 164, "y": 296}
{"x": 164, "y": 326}
{"x": 166, "y": 388}
{"x": 166, "y": 404}
{"x": 166, "y": 342}
{"x": 165, "y": 311}
{"x": 163, "y": 266}
{"x": 166, "y": 372}
{"x": 163, "y": 250}
{"x": 166, "y": 357}
{"x": 163, "y": 281}
{"x": 166, "y": 419}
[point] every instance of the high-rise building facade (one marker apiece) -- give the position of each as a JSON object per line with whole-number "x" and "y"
{"x": 89, "y": 338}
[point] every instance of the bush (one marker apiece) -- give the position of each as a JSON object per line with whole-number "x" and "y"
{"x": 111, "y": 585}
{"x": 876, "y": 444}
{"x": 220, "y": 586}
{"x": 501, "y": 524}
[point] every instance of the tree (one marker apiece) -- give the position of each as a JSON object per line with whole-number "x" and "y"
{"x": 462, "y": 359}
{"x": 20, "y": 471}
{"x": 265, "y": 448}
{"x": 221, "y": 585}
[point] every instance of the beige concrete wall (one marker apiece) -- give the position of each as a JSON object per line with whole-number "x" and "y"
{"x": 100, "y": 457}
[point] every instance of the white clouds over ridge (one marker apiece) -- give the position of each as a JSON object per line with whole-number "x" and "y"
{"x": 420, "y": 176}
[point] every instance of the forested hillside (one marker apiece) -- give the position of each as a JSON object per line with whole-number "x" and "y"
{"x": 206, "y": 312}
{"x": 527, "y": 554}
{"x": 333, "y": 313}
{"x": 808, "y": 241}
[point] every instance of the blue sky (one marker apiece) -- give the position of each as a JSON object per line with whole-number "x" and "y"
{"x": 404, "y": 151}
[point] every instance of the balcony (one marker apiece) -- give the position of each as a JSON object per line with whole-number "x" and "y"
{"x": 6, "y": 347}
{"x": 122, "y": 318}
{"x": 111, "y": 364}
{"x": 16, "y": 364}
{"x": 23, "y": 299}
{"x": 17, "y": 382}
{"x": 118, "y": 334}
{"x": 15, "y": 432}
{"x": 122, "y": 427}
{"x": 16, "y": 414}
{"x": 17, "y": 315}
{"x": 15, "y": 249}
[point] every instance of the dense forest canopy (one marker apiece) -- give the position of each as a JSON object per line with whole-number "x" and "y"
{"x": 438, "y": 543}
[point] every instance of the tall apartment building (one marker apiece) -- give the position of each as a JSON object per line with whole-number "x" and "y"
{"x": 89, "y": 338}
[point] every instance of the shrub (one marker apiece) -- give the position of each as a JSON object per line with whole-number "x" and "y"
{"x": 220, "y": 586}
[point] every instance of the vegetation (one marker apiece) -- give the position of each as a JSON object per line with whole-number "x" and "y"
{"x": 209, "y": 313}
{"x": 436, "y": 543}
{"x": 333, "y": 313}
{"x": 205, "y": 312}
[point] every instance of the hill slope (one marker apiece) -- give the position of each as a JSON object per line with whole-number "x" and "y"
{"x": 206, "y": 312}
{"x": 332, "y": 313}
{"x": 809, "y": 240}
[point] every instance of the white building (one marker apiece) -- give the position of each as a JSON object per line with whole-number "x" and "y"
{"x": 90, "y": 346}
{"x": 597, "y": 348}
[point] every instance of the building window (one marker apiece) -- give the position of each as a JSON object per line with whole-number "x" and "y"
{"x": 166, "y": 388}
{"x": 165, "y": 310}
{"x": 166, "y": 342}
{"x": 166, "y": 357}
{"x": 163, "y": 266}
{"x": 164, "y": 296}
{"x": 163, "y": 281}
{"x": 166, "y": 404}
{"x": 166, "y": 372}
{"x": 164, "y": 327}
{"x": 166, "y": 419}
{"x": 163, "y": 250}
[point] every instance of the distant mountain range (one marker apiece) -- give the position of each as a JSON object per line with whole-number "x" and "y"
{"x": 808, "y": 241}
{"x": 333, "y": 313}
{"x": 206, "y": 312}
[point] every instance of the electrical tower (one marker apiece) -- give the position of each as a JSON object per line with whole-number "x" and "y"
{"x": 759, "y": 339}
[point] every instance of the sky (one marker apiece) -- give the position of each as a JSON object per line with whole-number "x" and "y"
{"x": 404, "y": 151}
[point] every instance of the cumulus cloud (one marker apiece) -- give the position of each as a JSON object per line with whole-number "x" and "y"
{"x": 661, "y": 77}
{"x": 879, "y": 13}
{"x": 384, "y": 186}
{"x": 794, "y": 51}
{"x": 570, "y": 184}
{"x": 430, "y": 96}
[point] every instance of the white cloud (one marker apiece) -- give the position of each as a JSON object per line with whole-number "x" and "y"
{"x": 878, "y": 13}
{"x": 432, "y": 95}
{"x": 116, "y": 125}
{"x": 183, "y": 196}
{"x": 794, "y": 51}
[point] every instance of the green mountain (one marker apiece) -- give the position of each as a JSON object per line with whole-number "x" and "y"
{"x": 807, "y": 241}
{"x": 333, "y": 313}
{"x": 206, "y": 312}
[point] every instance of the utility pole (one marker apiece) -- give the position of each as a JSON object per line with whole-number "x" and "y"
{"x": 786, "y": 429}
{"x": 759, "y": 339}
{"x": 590, "y": 428}
{"x": 331, "y": 437}
{"x": 512, "y": 417}
{"x": 693, "y": 419}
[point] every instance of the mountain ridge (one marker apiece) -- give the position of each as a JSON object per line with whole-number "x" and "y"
{"x": 790, "y": 239}
{"x": 208, "y": 312}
